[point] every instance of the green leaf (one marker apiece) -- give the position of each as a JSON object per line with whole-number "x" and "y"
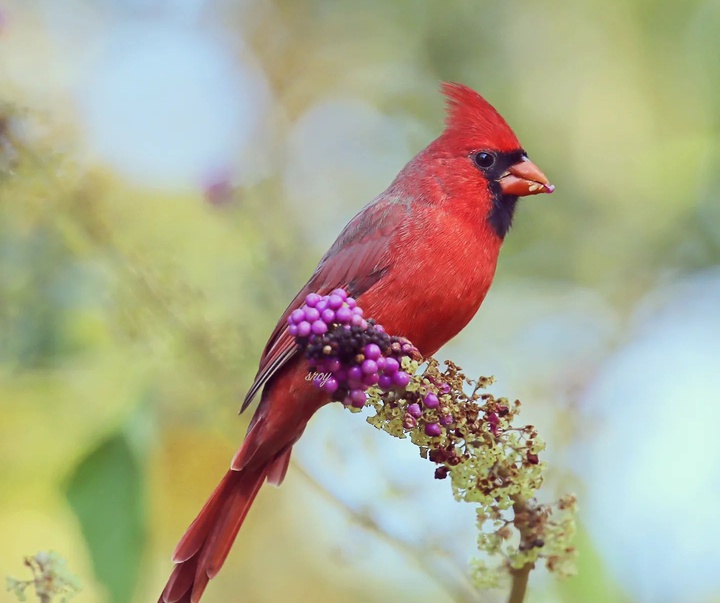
{"x": 106, "y": 493}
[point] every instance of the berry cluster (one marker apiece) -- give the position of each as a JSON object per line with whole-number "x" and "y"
{"x": 348, "y": 353}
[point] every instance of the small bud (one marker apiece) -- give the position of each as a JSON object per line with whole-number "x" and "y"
{"x": 409, "y": 422}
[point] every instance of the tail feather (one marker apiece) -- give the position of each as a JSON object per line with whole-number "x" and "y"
{"x": 207, "y": 542}
{"x": 224, "y": 532}
{"x": 278, "y": 468}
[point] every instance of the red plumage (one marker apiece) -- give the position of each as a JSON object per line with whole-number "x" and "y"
{"x": 419, "y": 259}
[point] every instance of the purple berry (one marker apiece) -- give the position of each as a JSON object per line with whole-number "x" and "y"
{"x": 379, "y": 328}
{"x": 371, "y": 379}
{"x": 319, "y": 327}
{"x": 303, "y": 328}
{"x": 341, "y": 375}
{"x": 350, "y": 301}
{"x": 356, "y": 321}
{"x": 391, "y": 366}
{"x": 293, "y": 330}
{"x": 297, "y": 316}
{"x": 331, "y": 385}
{"x": 431, "y": 401}
{"x": 312, "y": 314}
{"x": 321, "y": 305}
{"x": 381, "y": 363}
{"x": 333, "y": 365}
{"x": 328, "y": 316}
{"x": 358, "y": 398}
{"x": 335, "y": 301}
{"x": 343, "y": 315}
{"x": 446, "y": 420}
{"x": 355, "y": 372}
{"x": 369, "y": 366}
{"x": 312, "y": 299}
{"x": 363, "y": 324}
{"x": 401, "y": 379}
{"x": 414, "y": 410}
{"x": 385, "y": 382}
{"x": 358, "y": 311}
{"x": 372, "y": 351}
{"x": 433, "y": 430}
{"x": 341, "y": 293}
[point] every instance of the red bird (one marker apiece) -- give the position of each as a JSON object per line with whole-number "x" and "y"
{"x": 419, "y": 259}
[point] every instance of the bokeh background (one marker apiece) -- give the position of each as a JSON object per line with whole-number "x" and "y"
{"x": 170, "y": 172}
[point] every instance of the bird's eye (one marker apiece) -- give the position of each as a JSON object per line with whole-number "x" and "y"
{"x": 484, "y": 160}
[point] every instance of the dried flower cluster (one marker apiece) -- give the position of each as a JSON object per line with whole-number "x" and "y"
{"x": 469, "y": 435}
{"x": 50, "y": 579}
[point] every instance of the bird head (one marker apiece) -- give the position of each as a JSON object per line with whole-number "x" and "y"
{"x": 482, "y": 155}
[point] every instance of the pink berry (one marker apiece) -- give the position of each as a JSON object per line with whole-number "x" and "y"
{"x": 372, "y": 351}
{"x": 358, "y": 311}
{"x": 335, "y": 301}
{"x": 312, "y": 299}
{"x": 401, "y": 379}
{"x": 331, "y": 385}
{"x": 391, "y": 366}
{"x": 303, "y": 329}
{"x": 343, "y": 315}
{"x": 371, "y": 379}
{"x": 379, "y": 328}
{"x": 356, "y": 321}
{"x": 431, "y": 401}
{"x": 385, "y": 382}
{"x": 414, "y": 410}
{"x": 433, "y": 430}
{"x": 358, "y": 398}
{"x": 319, "y": 327}
{"x": 311, "y": 314}
{"x": 369, "y": 366}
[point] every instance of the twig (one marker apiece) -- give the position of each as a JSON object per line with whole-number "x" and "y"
{"x": 519, "y": 583}
{"x": 521, "y": 575}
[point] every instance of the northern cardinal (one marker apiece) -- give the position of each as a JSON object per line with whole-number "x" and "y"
{"x": 419, "y": 259}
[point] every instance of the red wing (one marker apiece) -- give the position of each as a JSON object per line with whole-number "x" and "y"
{"x": 356, "y": 261}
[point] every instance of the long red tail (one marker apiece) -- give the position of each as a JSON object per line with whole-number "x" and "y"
{"x": 202, "y": 550}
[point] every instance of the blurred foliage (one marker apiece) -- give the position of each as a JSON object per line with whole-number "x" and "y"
{"x": 50, "y": 581}
{"x": 106, "y": 493}
{"x": 131, "y": 318}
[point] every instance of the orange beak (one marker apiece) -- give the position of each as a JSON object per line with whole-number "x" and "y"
{"x": 523, "y": 179}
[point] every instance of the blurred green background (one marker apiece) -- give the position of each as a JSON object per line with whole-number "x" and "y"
{"x": 170, "y": 173}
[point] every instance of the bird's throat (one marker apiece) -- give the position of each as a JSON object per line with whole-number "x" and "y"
{"x": 502, "y": 211}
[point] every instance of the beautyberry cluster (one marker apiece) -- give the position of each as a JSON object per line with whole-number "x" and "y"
{"x": 347, "y": 352}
